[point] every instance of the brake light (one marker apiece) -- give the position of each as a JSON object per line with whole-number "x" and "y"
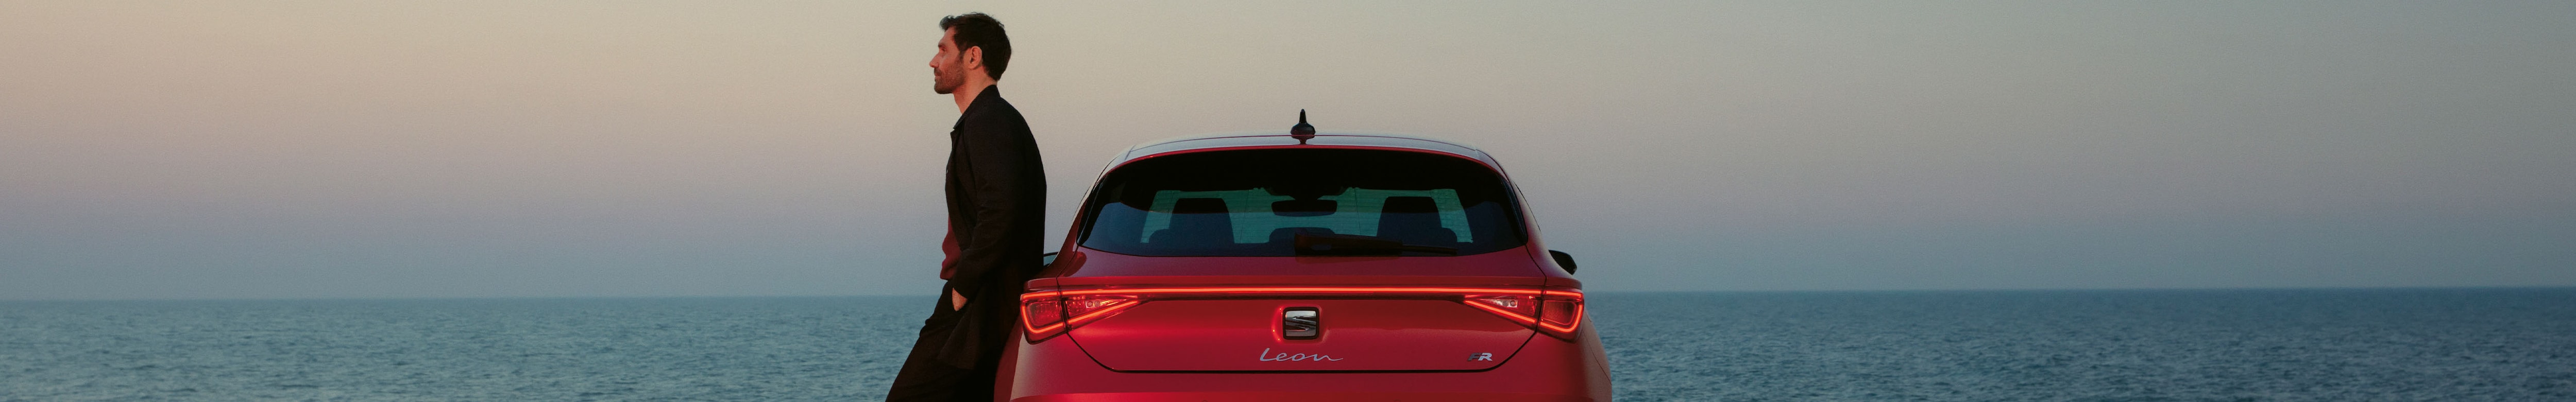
{"x": 1046, "y": 314}
{"x": 1523, "y": 308}
{"x": 1557, "y": 312}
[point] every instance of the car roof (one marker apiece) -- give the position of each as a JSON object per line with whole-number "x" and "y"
{"x": 1284, "y": 140}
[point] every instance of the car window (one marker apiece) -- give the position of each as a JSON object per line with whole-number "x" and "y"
{"x": 1254, "y": 202}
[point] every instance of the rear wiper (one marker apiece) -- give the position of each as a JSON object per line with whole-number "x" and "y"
{"x": 1342, "y": 244}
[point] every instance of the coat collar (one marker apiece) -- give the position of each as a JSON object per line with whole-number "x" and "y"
{"x": 983, "y": 100}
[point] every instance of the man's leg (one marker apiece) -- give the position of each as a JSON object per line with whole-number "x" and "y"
{"x": 924, "y": 377}
{"x": 977, "y": 386}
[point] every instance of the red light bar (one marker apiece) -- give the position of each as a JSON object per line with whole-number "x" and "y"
{"x": 1555, "y": 311}
{"x": 1303, "y": 290}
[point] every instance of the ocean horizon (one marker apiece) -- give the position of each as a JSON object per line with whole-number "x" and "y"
{"x": 2400, "y": 344}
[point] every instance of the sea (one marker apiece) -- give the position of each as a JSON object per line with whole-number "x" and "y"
{"x": 2488, "y": 344}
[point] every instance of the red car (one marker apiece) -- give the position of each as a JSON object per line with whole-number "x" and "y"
{"x": 1304, "y": 267}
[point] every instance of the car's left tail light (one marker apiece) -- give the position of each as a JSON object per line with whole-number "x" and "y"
{"x": 1046, "y": 314}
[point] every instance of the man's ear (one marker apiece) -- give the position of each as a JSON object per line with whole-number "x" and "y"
{"x": 971, "y": 59}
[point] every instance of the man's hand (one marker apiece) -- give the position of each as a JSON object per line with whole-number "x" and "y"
{"x": 956, "y": 301}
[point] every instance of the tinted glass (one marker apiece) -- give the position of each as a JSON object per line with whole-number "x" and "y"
{"x": 1255, "y": 202}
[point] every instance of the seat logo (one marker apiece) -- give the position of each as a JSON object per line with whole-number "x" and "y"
{"x": 1300, "y": 323}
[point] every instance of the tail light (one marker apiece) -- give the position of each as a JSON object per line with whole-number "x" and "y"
{"x": 1557, "y": 312}
{"x": 1048, "y": 313}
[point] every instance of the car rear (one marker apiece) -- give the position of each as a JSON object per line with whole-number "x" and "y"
{"x": 1306, "y": 272}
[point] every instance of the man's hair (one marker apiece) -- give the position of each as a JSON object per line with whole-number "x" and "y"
{"x": 979, "y": 30}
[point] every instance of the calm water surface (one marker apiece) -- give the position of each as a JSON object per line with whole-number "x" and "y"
{"x": 2230, "y": 345}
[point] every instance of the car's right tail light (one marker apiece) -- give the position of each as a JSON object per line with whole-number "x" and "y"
{"x": 1557, "y": 312}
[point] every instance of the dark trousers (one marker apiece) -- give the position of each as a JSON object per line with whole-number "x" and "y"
{"x": 925, "y": 378}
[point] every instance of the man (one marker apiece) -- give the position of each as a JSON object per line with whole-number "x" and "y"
{"x": 996, "y": 194}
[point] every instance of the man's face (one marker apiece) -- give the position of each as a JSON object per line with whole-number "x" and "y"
{"x": 948, "y": 68}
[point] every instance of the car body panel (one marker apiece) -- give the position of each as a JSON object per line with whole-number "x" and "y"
{"x": 1244, "y": 335}
{"x": 1545, "y": 369}
{"x": 1217, "y": 335}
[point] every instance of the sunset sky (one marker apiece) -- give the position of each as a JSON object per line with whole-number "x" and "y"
{"x": 336, "y": 149}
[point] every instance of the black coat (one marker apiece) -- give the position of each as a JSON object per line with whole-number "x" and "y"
{"x": 996, "y": 211}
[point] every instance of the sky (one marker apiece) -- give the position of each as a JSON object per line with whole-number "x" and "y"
{"x": 332, "y": 149}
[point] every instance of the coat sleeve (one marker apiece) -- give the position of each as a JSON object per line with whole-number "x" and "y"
{"x": 1009, "y": 192}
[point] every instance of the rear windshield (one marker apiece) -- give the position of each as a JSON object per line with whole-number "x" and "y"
{"x": 1255, "y": 202}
